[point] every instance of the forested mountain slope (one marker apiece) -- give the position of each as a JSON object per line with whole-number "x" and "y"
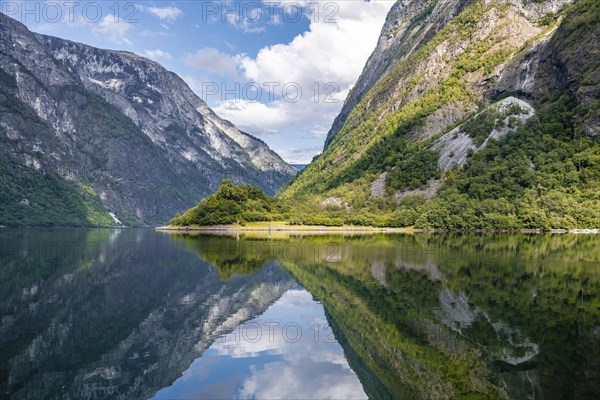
{"x": 469, "y": 114}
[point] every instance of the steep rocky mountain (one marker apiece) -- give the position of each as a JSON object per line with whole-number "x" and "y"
{"x": 492, "y": 105}
{"x": 408, "y": 25}
{"x": 93, "y": 136}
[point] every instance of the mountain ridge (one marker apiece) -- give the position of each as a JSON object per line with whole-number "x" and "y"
{"x": 387, "y": 50}
{"x": 134, "y": 134}
{"x": 533, "y": 164}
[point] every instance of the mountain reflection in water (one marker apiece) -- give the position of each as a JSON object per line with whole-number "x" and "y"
{"x": 139, "y": 314}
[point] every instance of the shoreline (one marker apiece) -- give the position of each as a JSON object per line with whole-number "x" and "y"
{"x": 280, "y": 229}
{"x": 259, "y": 227}
{"x": 310, "y": 229}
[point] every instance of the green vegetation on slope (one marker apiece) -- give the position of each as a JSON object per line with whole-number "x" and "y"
{"x": 231, "y": 204}
{"x": 377, "y": 129}
{"x": 28, "y": 197}
{"x": 544, "y": 174}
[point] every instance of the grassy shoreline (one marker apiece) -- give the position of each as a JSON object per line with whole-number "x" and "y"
{"x": 280, "y": 226}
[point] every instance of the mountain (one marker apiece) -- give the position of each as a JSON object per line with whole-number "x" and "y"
{"x": 299, "y": 167}
{"x": 470, "y": 114}
{"x": 101, "y": 137}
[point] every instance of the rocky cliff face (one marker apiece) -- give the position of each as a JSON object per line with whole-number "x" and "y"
{"x": 408, "y": 25}
{"x": 567, "y": 59}
{"x": 412, "y": 24}
{"x": 115, "y": 131}
{"x": 450, "y": 77}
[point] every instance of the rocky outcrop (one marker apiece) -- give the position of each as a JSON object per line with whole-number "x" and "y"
{"x": 136, "y": 133}
{"x": 439, "y": 64}
{"x": 428, "y": 191}
{"x": 566, "y": 60}
{"x": 506, "y": 115}
{"x": 409, "y": 25}
{"x": 378, "y": 186}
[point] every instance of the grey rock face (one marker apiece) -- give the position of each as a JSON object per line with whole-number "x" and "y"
{"x": 453, "y": 146}
{"x": 409, "y": 25}
{"x": 135, "y": 132}
{"x": 568, "y": 60}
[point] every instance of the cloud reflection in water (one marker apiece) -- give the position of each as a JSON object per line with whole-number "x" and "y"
{"x": 287, "y": 352}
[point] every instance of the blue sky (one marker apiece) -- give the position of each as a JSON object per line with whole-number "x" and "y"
{"x": 279, "y": 70}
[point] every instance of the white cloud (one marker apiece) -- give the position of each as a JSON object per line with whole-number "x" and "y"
{"x": 313, "y": 380}
{"x": 167, "y": 13}
{"x": 212, "y": 60}
{"x": 256, "y": 117}
{"x": 304, "y": 123}
{"x": 310, "y": 367}
{"x": 158, "y": 53}
{"x": 317, "y": 132}
{"x": 328, "y": 53}
{"x": 115, "y": 32}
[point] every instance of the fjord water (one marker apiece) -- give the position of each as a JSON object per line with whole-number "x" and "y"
{"x": 134, "y": 313}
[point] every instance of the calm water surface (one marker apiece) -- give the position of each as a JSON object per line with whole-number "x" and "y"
{"x": 133, "y": 313}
